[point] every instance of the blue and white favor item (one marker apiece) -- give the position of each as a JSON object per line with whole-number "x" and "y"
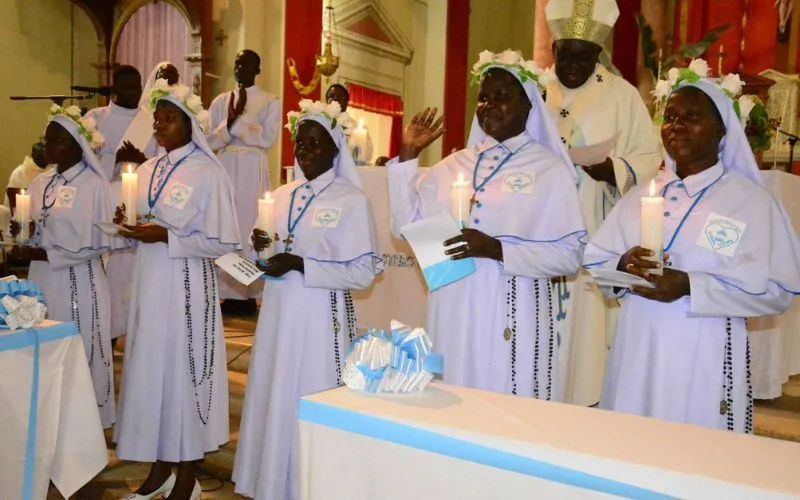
{"x": 398, "y": 362}
{"x": 426, "y": 238}
{"x": 22, "y": 304}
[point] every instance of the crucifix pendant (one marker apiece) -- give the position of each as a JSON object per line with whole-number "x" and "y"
{"x": 43, "y": 218}
{"x": 472, "y": 203}
{"x": 150, "y": 216}
{"x": 288, "y": 241}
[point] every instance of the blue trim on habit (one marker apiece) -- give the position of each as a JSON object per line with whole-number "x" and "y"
{"x": 378, "y": 260}
{"x": 398, "y": 433}
{"x": 27, "y": 338}
{"x": 516, "y": 239}
{"x": 699, "y": 195}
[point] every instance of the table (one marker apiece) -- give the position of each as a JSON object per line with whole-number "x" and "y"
{"x": 775, "y": 340}
{"x": 457, "y": 443}
{"x": 49, "y": 424}
{"x": 400, "y": 292}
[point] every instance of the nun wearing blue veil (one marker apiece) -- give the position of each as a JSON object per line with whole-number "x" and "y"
{"x": 681, "y": 350}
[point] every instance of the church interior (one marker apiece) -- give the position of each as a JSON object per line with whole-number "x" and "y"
{"x": 395, "y": 58}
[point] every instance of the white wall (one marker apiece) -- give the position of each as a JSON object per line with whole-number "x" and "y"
{"x": 35, "y": 40}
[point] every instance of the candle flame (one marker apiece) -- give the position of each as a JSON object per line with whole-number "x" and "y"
{"x": 130, "y": 169}
{"x": 267, "y": 196}
{"x": 652, "y": 188}
{"x": 360, "y": 123}
{"x": 461, "y": 177}
{"x": 22, "y": 192}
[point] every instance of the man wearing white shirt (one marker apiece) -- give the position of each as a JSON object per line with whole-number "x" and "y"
{"x": 30, "y": 168}
{"x": 244, "y": 125}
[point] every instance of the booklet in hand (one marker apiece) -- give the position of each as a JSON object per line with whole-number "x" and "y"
{"x": 427, "y": 238}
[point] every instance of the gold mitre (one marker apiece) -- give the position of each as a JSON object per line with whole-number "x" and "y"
{"x": 590, "y": 20}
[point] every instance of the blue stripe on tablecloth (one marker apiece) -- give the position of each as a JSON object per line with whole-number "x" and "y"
{"x": 398, "y": 433}
{"x": 27, "y": 338}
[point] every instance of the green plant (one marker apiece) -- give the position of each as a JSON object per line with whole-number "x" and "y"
{"x": 686, "y": 52}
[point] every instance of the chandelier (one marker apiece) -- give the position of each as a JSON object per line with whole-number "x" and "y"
{"x": 327, "y": 63}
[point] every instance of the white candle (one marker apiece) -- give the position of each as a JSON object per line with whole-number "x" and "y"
{"x": 652, "y": 226}
{"x": 775, "y": 152}
{"x": 130, "y": 184}
{"x": 266, "y": 223}
{"x": 459, "y": 201}
{"x": 22, "y": 205}
{"x": 359, "y": 142}
{"x": 289, "y": 174}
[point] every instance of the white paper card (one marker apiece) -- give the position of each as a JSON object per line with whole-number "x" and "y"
{"x": 110, "y": 228}
{"x": 427, "y": 236}
{"x": 595, "y": 153}
{"x": 721, "y": 234}
{"x": 242, "y": 270}
{"x": 618, "y": 279}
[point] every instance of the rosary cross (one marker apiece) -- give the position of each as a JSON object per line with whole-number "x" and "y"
{"x": 472, "y": 202}
{"x": 288, "y": 241}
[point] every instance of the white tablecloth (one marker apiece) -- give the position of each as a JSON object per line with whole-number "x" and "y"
{"x": 775, "y": 340}
{"x": 457, "y": 443}
{"x": 49, "y": 424}
{"x": 400, "y": 292}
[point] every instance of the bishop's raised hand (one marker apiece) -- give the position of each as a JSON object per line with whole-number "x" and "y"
{"x": 420, "y": 133}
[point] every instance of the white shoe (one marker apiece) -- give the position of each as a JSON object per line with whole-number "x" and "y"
{"x": 197, "y": 491}
{"x": 163, "y": 490}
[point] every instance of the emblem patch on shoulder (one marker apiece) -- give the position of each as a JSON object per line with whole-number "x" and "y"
{"x": 721, "y": 234}
{"x": 326, "y": 217}
{"x": 519, "y": 183}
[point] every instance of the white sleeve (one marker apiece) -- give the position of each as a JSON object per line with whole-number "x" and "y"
{"x": 404, "y": 197}
{"x": 197, "y": 245}
{"x": 542, "y": 260}
{"x": 357, "y": 274}
{"x": 218, "y": 136}
{"x": 259, "y": 131}
{"x": 637, "y": 145}
{"x": 713, "y": 297}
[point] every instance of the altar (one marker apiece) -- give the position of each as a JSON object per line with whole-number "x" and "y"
{"x": 456, "y": 443}
{"x": 49, "y": 424}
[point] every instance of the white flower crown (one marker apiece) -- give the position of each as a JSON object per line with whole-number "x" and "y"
{"x": 512, "y": 60}
{"x": 184, "y": 94}
{"x": 332, "y": 111}
{"x": 87, "y": 126}
{"x": 730, "y": 85}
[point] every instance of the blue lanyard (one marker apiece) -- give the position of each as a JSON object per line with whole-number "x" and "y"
{"x": 685, "y": 216}
{"x": 292, "y": 225}
{"x": 151, "y": 202}
{"x": 477, "y": 187}
{"x": 45, "y": 205}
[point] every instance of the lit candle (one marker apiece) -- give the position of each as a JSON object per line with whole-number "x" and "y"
{"x": 459, "y": 201}
{"x": 23, "y": 208}
{"x": 130, "y": 185}
{"x": 652, "y": 226}
{"x": 266, "y": 223}
{"x": 719, "y": 60}
{"x": 359, "y": 142}
{"x": 660, "y": 60}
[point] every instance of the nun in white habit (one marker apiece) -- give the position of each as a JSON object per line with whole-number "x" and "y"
{"x": 173, "y": 406}
{"x": 681, "y": 351}
{"x": 326, "y": 246}
{"x": 66, "y": 203}
{"x": 495, "y": 327}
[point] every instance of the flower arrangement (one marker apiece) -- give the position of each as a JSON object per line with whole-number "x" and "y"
{"x": 87, "y": 126}
{"x": 332, "y": 111}
{"x": 513, "y": 61}
{"x": 749, "y": 108}
{"x": 184, "y": 94}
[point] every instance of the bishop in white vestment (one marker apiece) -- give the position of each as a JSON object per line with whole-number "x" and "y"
{"x": 590, "y": 105}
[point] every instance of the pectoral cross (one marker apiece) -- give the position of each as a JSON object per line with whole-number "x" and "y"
{"x": 43, "y": 218}
{"x": 472, "y": 202}
{"x": 288, "y": 241}
{"x": 149, "y": 216}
